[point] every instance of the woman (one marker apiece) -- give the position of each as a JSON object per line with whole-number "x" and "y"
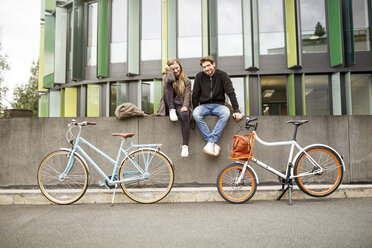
{"x": 177, "y": 100}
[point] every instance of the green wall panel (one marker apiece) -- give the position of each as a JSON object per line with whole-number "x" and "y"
{"x": 49, "y": 45}
{"x": 212, "y": 18}
{"x": 50, "y": 5}
{"x": 103, "y": 38}
{"x": 70, "y": 102}
{"x": 205, "y": 29}
{"x": 291, "y": 95}
{"x": 78, "y": 40}
{"x": 348, "y": 32}
{"x": 43, "y": 106}
{"x": 93, "y": 98}
{"x": 164, "y": 33}
{"x": 60, "y": 46}
{"x": 336, "y": 94}
{"x": 335, "y": 35}
{"x": 133, "y": 37}
{"x": 158, "y": 93}
{"x": 291, "y": 33}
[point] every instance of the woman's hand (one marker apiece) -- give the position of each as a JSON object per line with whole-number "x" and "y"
{"x": 184, "y": 109}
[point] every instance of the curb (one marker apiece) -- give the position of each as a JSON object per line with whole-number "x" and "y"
{"x": 177, "y": 195}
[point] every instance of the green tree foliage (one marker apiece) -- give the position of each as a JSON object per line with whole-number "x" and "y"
{"x": 319, "y": 30}
{"x": 27, "y": 96}
{"x": 4, "y": 66}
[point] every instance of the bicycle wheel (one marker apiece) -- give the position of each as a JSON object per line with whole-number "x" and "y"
{"x": 322, "y": 183}
{"x": 62, "y": 190}
{"x": 156, "y": 181}
{"x": 233, "y": 191}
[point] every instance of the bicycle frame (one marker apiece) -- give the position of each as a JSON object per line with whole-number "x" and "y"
{"x": 77, "y": 147}
{"x": 289, "y": 171}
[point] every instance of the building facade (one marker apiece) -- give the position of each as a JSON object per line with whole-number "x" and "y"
{"x": 284, "y": 57}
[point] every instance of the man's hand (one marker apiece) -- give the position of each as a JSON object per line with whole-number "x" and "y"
{"x": 184, "y": 109}
{"x": 237, "y": 116}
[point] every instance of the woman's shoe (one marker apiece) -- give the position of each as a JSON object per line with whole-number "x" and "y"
{"x": 173, "y": 115}
{"x": 185, "y": 151}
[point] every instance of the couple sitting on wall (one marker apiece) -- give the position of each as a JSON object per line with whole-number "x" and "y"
{"x": 208, "y": 98}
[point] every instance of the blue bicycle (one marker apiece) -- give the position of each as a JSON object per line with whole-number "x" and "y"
{"x": 146, "y": 174}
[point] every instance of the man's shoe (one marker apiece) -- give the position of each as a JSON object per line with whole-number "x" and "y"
{"x": 173, "y": 115}
{"x": 217, "y": 149}
{"x": 209, "y": 149}
{"x": 185, "y": 151}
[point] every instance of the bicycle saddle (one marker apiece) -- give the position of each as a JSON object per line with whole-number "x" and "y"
{"x": 298, "y": 122}
{"x": 124, "y": 135}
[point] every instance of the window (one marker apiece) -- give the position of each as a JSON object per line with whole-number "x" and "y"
{"x": 151, "y": 30}
{"x": 118, "y": 48}
{"x": 230, "y": 37}
{"x": 92, "y": 35}
{"x": 361, "y": 94}
{"x": 119, "y": 95}
{"x": 271, "y": 26}
{"x": 238, "y": 84}
{"x": 313, "y": 26}
{"x": 189, "y": 29}
{"x": 361, "y": 25}
{"x": 317, "y": 95}
{"x": 274, "y": 95}
{"x": 147, "y": 97}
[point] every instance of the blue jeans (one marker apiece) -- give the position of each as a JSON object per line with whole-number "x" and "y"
{"x": 219, "y": 110}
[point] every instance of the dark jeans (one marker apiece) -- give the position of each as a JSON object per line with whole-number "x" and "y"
{"x": 184, "y": 117}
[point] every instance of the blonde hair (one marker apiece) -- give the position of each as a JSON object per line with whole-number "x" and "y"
{"x": 181, "y": 77}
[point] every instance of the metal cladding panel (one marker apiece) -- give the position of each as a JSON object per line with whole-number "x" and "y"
{"x": 70, "y": 102}
{"x": 291, "y": 95}
{"x": 205, "y": 28}
{"x": 336, "y": 94}
{"x": 43, "y": 106}
{"x": 164, "y": 33}
{"x": 348, "y": 32}
{"x": 291, "y": 33}
{"x": 78, "y": 40}
{"x": 133, "y": 37}
{"x": 50, "y": 5}
{"x": 41, "y": 58}
{"x": 60, "y": 46}
{"x": 49, "y": 47}
{"x": 213, "y": 38}
{"x": 93, "y": 96}
{"x": 103, "y": 39}
{"x": 334, "y": 32}
{"x": 172, "y": 29}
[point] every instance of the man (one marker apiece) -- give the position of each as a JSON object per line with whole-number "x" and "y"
{"x": 209, "y": 91}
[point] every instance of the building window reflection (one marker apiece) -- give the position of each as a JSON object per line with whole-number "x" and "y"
{"x": 361, "y": 25}
{"x": 274, "y": 95}
{"x": 317, "y": 95}
{"x": 92, "y": 35}
{"x": 313, "y": 26}
{"x": 119, "y": 95}
{"x": 189, "y": 29}
{"x": 230, "y": 37}
{"x": 151, "y": 30}
{"x": 271, "y": 26}
{"x": 147, "y": 96}
{"x": 118, "y": 47}
{"x": 361, "y": 94}
{"x": 238, "y": 84}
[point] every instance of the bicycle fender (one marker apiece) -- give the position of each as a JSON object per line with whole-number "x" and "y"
{"x": 151, "y": 149}
{"x": 250, "y": 167}
{"x": 339, "y": 156}
{"x": 80, "y": 157}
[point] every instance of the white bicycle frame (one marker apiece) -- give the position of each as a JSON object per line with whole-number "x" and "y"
{"x": 291, "y": 160}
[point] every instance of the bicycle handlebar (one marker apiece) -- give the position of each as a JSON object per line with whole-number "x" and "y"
{"x": 249, "y": 125}
{"x": 81, "y": 124}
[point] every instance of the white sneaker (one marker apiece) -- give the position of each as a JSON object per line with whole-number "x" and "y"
{"x": 185, "y": 151}
{"x": 173, "y": 115}
{"x": 209, "y": 149}
{"x": 217, "y": 149}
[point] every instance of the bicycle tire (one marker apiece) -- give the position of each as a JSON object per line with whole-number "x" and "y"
{"x": 321, "y": 184}
{"x": 67, "y": 190}
{"x": 229, "y": 190}
{"x": 160, "y": 176}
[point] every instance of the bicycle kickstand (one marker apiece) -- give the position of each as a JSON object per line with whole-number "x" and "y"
{"x": 113, "y": 195}
{"x": 289, "y": 188}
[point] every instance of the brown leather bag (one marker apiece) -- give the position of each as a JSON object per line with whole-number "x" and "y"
{"x": 241, "y": 148}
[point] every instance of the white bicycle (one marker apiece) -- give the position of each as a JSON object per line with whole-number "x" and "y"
{"x": 317, "y": 169}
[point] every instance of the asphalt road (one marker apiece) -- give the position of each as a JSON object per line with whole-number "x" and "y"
{"x": 308, "y": 223}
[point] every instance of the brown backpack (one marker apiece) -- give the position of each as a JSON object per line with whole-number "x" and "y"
{"x": 242, "y": 147}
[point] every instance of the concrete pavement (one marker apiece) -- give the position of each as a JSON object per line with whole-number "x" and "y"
{"x": 178, "y": 194}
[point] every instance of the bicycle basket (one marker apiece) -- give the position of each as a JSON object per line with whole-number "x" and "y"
{"x": 242, "y": 147}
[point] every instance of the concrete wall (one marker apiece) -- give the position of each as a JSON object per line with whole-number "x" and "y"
{"x": 25, "y": 141}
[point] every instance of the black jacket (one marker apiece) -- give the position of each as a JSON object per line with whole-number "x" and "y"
{"x": 213, "y": 90}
